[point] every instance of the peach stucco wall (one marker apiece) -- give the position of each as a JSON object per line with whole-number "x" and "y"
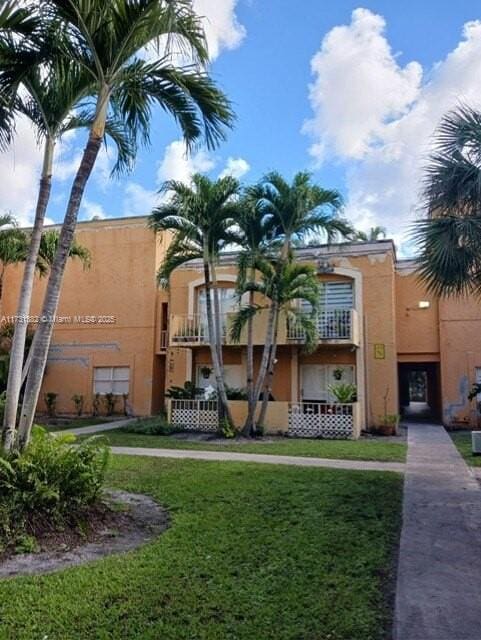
{"x": 120, "y": 283}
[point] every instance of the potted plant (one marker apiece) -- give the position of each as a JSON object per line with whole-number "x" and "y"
{"x": 343, "y": 392}
{"x": 206, "y": 372}
{"x": 78, "y": 401}
{"x": 388, "y": 424}
{"x": 338, "y": 373}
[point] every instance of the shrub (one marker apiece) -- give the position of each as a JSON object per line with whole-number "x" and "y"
{"x": 96, "y": 404}
{"x": 78, "y": 401}
{"x": 155, "y": 426}
{"x": 226, "y": 430}
{"x": 344, "y": 393}
{"x": 50, "y": 483}
{"x": 50, "y": 399}
{"x": 110, "y": 401}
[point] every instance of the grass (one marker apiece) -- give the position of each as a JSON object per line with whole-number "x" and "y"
{"x": 387, "y": 451}
{"x": 253, "y": 552}
{"x": 462, "y": 440}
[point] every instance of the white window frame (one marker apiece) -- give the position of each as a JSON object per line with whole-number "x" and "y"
{"x": 114, "y": 380}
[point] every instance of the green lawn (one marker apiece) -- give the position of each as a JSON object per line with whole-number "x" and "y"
{"x": 463, "y": 443}
{"x": 254, "y": 553}
{"x": 341, "y": 449}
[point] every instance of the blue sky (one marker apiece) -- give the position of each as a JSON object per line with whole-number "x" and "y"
{"x": 372, "y": 79}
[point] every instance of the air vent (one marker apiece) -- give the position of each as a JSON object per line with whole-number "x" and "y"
{"x": 476, "y": 442}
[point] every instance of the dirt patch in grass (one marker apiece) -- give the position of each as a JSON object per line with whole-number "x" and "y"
{"x": 121, "y": 522}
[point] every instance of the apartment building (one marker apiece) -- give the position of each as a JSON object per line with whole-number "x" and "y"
{"x": 117, "y": 332}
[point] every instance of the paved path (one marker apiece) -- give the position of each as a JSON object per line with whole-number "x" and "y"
{"x": 439, "y": 573}
{"x": 98, "y": 428}
{"x": 196, "y": 454}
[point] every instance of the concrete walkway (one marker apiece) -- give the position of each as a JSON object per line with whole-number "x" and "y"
{"x": 98, "y": 428}
{"x": 196, "y": 454}
{"x": 439, "y": 573}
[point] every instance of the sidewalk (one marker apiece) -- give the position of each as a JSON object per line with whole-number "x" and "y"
{"x": 98, "y": 428}
{"x": 439, "y": 573}
{"x": 263, "y": 458}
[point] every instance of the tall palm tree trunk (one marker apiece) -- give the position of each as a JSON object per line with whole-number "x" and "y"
{"x": 266, "y": 353}
{"x": 224, "y": 411}
{"x": 270, "y": 375}
{"x": 17, "y": 352}
{"x": 251, "y": 401}
{"x": 268, "y": 356}
{"x": 217, "y": 315}
{"x": 52, "y": 295}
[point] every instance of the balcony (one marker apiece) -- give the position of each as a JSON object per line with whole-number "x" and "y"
{"x": 335, "y": 326}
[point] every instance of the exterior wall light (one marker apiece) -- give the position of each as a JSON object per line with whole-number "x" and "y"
{"x": 424, "y": 304}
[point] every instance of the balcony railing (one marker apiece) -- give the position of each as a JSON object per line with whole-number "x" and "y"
{"x": 332, "y": 324}
{"x": 193, "y": 329}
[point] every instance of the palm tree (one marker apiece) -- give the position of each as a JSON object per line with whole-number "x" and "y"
{"x": 202, "y": 215}
{"x": 296, "y": 210}
{"x": 449, "y": 239}
{"x": 12, "y": 246}
{"x": 374, "y": 234}
{"x": 109, "y": 40}
{"x": 47, "y": 100}
{"x": 286, "y": 286}
{"x": 257, "y": 241}
{"x": 49, "y": 247}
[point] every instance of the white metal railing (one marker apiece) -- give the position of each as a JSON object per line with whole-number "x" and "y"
{"x": 332, "y": 324}
{"x": 321, "y": 419}
{"x": 194, "y": 328}
{"x": 194, "y": 415}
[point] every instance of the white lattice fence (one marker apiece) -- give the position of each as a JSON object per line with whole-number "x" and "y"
{"x": 194, "y": 415}
{"x": 319, "y": 420}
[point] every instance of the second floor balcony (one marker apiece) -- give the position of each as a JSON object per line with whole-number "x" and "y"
{"x": 335, "y": 326}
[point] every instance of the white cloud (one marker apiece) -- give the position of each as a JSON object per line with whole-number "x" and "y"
{"x": 177, "y": 165}
{"x": 90, "y": 210}
{"x": 235, "y": 167}
{"x": 378, "y": 116}
{"x": 222, "y": 28}
{"x": 138, "y": 201}
{"x": 19, "y": 168}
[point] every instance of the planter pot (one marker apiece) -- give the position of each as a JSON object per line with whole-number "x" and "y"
{"x": 386, "y": 430}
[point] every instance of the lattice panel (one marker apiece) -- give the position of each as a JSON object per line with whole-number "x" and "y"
{"x": 195, "y": 420}
{"x": 310, "y": 425}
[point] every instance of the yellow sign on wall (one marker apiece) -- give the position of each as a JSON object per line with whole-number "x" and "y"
{"x": 379, "y": 351}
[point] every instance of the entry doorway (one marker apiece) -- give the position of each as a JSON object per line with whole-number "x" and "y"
{"x": 419, "y": 391}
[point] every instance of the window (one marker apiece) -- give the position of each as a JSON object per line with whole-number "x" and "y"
{"x": 317, "y": 378}
{"x": 227, "y": 301}
{"x": 233, "y": 376}
{"x": 338, "y": 295}
{"x": 111, "y": 380}
{"x": 334, "y": 295}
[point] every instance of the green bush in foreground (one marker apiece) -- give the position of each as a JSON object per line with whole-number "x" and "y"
{"x": 50, "y": 484}
{"x": 155, "y": 426}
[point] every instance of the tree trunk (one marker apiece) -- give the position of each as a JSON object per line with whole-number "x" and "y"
{"x": 223, "y": 405}
{"x": 270, "y": 375}
{"x": 17, "y": 352}
{"x": 45, "y": 328}
{"x": 266, "y": 354}
{"x": 217, "y": 316}
{"x": 251, "y": 401}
